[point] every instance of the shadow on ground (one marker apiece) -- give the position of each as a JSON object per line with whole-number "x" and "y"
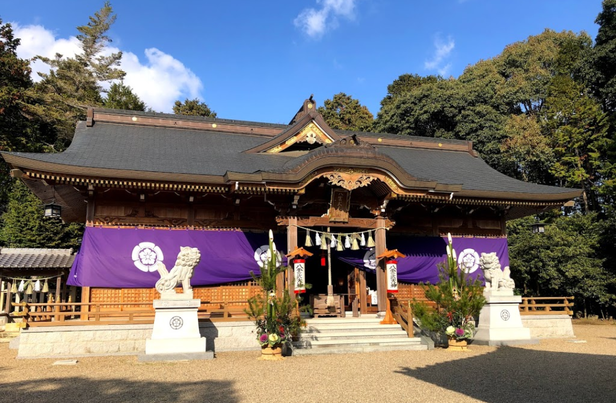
{"x": 77, "y": 389}
{"x": 518, "y": 375}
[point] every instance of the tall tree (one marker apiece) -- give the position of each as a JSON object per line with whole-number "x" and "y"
{"x": 405, "y": 84}
{"x": 74, "y": 84}
{"x": 603, "y": 57}
{"x": 193, "y": 107}
{"x": 24, "y": 226}
{"x": 121, "y": 96}
{"x": 21, "y": 129}
{"x": 345, "y": 113}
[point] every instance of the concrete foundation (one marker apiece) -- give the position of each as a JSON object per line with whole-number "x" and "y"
{"x": 80, "y": 341}
{"x": 548, "y": 326}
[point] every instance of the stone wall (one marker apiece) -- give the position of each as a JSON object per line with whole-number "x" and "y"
{"x": 79, "y": 341}
{"x": 548, "y": 326}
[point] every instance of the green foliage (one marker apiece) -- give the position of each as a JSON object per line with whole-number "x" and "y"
{"x": 458, "y": 301}
{"x": 193, "y": 107}
{"x": 24, "y": 226}
{"x": 345, "y": 113}
{"x": 121, "y": 96}
{"x": 566, "y": 260}
{"x": 74, "y": 84}
{"x": 276, "y": 318}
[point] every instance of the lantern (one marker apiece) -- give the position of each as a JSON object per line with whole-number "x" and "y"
{"x": 299, "y": 256}
{"x": 299, "y": 271}
{"x": 52, "y": 210}
{"x": 392, "y": 275}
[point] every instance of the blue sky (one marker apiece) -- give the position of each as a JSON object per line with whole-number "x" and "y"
{"x": 258, "y": 61}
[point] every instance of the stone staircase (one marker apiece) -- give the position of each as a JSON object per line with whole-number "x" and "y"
{"x": 353, "y": 335}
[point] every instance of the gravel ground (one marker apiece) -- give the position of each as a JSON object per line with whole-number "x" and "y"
{"x": 552, "y": 371}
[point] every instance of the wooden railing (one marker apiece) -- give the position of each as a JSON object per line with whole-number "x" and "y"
{"x": 109, "y": 313}
{"x": 546, "y": 306}
{"x": 403, "y": 313}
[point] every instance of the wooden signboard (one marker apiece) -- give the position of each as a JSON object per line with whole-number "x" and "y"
{"x": 339, "y": 205}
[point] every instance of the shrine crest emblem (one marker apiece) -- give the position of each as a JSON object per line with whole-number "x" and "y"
{"x": 468, "y": 260}
{"x": 146, "y": 256}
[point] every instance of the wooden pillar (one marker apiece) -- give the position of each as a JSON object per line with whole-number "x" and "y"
{"x": 363, "y": 295}
{"x": 291, "y": 245}
{"x": 2, "y": 294}
{"x": 85, "y": 298}
{"x": 58, "y": 289}
{"x": 380, "y": 243}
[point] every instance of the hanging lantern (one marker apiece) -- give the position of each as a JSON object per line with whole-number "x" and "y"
{"x": 370, "y": 240}
{"x": 299, "y": 270}
{"x": 363, "y": 239}
{"x": 392, "y": 275}
{"x": 317, "y": 239}
{"x": 22, "y": 285}
{"x": 308, "y": 242}
{"x": 46, "y": 286}
{"x": 339, "y": 245}
{"x": 52, "y": 210}
{"x": 37, "y": 286}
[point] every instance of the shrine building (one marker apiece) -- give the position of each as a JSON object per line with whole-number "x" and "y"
{"x": 145, "y": 184}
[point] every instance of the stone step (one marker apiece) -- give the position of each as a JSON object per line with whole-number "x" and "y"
{"x": 340, "y": 328}
{"x": 358, "y": 342}
{"x": 349, "y": 349}
{"x": 351, "y": 335}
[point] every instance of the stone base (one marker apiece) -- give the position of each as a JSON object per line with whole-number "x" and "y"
{"x": 175, "y": 346}
{"x": 208, "y": 355}
{"x": 499, "y": 321}
{"x": 176, "y": 328}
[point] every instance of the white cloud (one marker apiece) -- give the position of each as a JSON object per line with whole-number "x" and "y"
{"x": 441, "y": 53}
{"x": 159, "y": 82}
{"x": 315, "y": 22}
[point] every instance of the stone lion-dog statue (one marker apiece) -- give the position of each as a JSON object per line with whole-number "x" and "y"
{"x": 496, "y": 279}
{"x": 182, "y": 272}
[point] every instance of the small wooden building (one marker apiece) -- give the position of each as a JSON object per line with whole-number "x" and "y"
{"x": 141, "y": 179}
{"x": 33, "y": 275}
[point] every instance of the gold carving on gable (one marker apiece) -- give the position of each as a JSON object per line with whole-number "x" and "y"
{"x": 311, "y": 134}
{"x": 350, "y": 179}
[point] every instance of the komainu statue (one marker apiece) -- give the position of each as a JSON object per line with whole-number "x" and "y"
{"x": 496, "y": 279}
{"x": 181, "y": 273}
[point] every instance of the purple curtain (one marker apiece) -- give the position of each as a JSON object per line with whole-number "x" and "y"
{"x": 423, "y": 254}
{"x": 127, "y": 258}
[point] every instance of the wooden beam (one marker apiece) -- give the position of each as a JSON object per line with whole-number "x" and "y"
{"x": 364, "y": 223}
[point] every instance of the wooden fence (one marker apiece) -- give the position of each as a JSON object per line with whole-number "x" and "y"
{"x": 546, "y": 306}
{"x": 109, "y": 313}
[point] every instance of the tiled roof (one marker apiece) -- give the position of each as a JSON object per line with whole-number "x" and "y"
{"x": 140, "y": 152}
{"x": 30, "y": 258}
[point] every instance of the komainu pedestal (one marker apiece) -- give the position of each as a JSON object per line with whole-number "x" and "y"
{"x": 176, "y": 325}
{"x": 500, "y": 323}
{"x": 176, "y": 328}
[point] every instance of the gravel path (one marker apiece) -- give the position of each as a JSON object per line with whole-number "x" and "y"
{"x": 552, "y": 371}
